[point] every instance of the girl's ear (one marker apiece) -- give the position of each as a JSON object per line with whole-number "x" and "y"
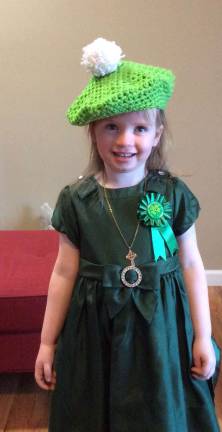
{"x": 158, "y": 134}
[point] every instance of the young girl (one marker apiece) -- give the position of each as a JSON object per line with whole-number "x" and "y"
{"x": 127, "y": 311}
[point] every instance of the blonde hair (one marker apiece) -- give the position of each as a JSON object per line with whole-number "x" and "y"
{"x": 157, "y": 159}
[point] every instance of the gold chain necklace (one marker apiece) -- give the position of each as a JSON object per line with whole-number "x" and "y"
{"x": 131, "y": 255}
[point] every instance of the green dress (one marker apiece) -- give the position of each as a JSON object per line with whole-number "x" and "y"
{"x": 124, "y": 354}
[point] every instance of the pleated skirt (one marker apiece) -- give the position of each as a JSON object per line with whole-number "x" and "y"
{"x": 124, "y": 357}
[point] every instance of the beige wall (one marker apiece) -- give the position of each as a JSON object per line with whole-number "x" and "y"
{"x": 40, "y": 44}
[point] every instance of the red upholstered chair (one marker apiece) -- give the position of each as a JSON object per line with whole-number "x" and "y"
{"x": 26, "y": 262}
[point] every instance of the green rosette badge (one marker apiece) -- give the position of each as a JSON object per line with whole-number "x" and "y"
{"x": 155, "y": 211}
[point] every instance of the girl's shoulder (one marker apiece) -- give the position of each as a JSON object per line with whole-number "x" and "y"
{"x": 169, "y": 177}
{"x": 184, "y": 204}
{"x": 82, "y": 187}
{"x": 71, "y": 193}
{"x": 175, "y": 189}
{"x": 165, "y": 177}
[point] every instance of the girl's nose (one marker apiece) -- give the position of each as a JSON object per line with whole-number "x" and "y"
{"x": 124, "y": 138}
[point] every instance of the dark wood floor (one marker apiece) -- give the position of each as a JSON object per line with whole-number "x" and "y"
{"x": 24, "y": 407}
{"x": 215, "y": 296}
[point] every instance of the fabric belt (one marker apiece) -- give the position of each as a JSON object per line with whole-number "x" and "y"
{"x": 109, "y": 274}
{"x": 116, "y": 296}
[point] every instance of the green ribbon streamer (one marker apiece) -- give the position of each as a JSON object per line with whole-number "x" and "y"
{"x": 160, "y": 236}
{"x": 158, "y": 244}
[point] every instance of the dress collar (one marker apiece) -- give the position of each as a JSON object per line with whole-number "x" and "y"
{"x": 156, "y": 182}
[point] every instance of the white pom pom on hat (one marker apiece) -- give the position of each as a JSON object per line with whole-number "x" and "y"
{"x": 101, "y": 57}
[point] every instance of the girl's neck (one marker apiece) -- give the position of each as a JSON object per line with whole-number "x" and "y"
{"x": 119, "y": 180}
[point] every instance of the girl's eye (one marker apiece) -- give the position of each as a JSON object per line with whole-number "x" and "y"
{"x": 141, "y": 129}
{"x": 111, "y": 126}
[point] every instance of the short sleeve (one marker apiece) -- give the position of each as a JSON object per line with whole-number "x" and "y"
{"x": 186, "y": 207}
{"x": 64, "y": 217}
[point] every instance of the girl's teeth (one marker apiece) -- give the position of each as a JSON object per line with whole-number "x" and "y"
{"x": 124, "y": 154}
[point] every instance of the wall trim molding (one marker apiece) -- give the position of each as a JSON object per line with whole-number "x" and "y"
{"x": 214, "y": 277}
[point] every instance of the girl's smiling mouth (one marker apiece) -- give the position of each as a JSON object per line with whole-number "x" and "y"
{"x": 123, "y": 154}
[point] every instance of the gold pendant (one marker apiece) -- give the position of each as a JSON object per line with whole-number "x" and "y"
{"x": 131, "y": 257}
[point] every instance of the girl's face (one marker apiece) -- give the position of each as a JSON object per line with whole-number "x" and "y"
{"x": 124, "y": 142}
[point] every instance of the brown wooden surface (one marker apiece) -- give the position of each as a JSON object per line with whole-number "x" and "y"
{"x": 215, "y": 297}
{"x": 24, "y": 407}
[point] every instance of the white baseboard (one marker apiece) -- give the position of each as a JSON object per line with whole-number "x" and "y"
{"x": 214, "y": 277}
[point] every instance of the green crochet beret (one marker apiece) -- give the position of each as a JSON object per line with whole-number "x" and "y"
{"x": 130, "y": 87}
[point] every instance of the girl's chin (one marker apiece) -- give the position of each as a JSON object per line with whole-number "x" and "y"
{"x": 123, "y": 162}
{"x": 126, "y": 168}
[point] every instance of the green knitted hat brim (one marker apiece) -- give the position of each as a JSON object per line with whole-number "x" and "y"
{"x": 132, "y": 87}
